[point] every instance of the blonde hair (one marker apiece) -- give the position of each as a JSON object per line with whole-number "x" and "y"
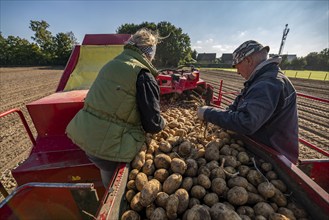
{"x": 145, "y": 37}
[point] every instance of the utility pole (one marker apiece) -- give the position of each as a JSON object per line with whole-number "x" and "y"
{"x": 284, "y": 37}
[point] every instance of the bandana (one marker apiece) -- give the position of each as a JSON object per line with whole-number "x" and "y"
{"x": 147, "y": 50}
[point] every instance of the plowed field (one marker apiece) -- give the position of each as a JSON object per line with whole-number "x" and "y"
{"x": 19, "y": 86}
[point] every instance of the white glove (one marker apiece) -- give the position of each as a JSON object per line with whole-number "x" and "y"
{"x": 200, "y": 112}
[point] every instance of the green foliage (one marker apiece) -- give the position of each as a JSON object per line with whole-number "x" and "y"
{"x": 174, "y": 49}
{"x": 47, "y": 49}
{"x": 313, "y": 61}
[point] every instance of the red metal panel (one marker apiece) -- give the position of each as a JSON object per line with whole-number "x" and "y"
{"x": 72, "y": 62}
{"x": 44, "y": 201}
{"x": 51, "y": 114}
{"x": 105, "y": 39}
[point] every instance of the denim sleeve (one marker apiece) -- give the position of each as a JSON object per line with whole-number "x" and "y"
{"x": 253, "y": 111}
{"x": 148, "y": 101}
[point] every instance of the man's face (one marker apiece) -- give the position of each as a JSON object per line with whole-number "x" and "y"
{"x": 244, "y": 68}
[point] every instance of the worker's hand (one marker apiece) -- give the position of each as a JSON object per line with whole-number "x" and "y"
{"x": 200, "y": 112}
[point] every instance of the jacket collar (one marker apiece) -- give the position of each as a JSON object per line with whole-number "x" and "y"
{"x": 139, "y": 55}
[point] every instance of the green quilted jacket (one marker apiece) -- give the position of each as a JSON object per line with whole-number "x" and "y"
{"x": 109, "y": 125}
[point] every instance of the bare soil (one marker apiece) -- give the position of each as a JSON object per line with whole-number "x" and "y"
{"x": 19, "y": 86}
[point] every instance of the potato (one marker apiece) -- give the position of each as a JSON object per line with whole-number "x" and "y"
{"x": 277, "y": 216}
{"x": 141, "y": 180}
{"x": 260, "y": 217}
{"x": 244, "y": 217}
{"x": 254, "y": 177}
{"x": 149, "y": 210}
{"x": 148, "y": 167}
{"x": 218, "y": 185}
{"x": 204, "y": 181}
{"x": 266, "y": 167}
{"x": 254, "y": 198}
{"x": 130, "y": 195}
{"x": 274, "y": 206}
{"x": 178, "y": 166}
{"x": 271, "y": 175}
{"x": 210, "y": 199}
{"x": 198, "y": 212}
{"x": 149, "y": 157}
{"x": 161, "y": 199}
{"x": 212, "y": 153}
{"x": 183, "y": 198}
{"x": 149, "y": 192}
{"x": 172, "y": 206}
{"x": 237, "y": 181}
{"x": 164, "y": 135}
{"x": 287, "y": 212}
{"x": 237, "y": 195}
{"x": 159, "y": 213}
{"x": 184, "y": 148}
{"x": 264, "y": 209}
{"x": 246, "y": 210}
{"x": 212, "y": 165}
{"x": 243, "y": 170}
{"x": 298, "y": 211}
{"x": 161, "y": 175}
{"x": 201, "y": 162}
{"x": 204, "y": 170}
{"x": 221, "y": 211}
{"x": 172, "y": 183}
{"x": 251, "y": 188}
{"x": 130, "y": 215}
{"x": 217, "y": 173}
{"x": 165, "y": 146}
{"x": 162, "y": 161}
{"x": 279, "y": 185}
{"x": 187, "y": 183}
{"x": 135, "y": 203}
{"x": 279, "y": 198}
{"x": 266, "y": 189}
{"x": 133, "y": 173}
{"x": 173, "y": 124}
{"x": 198, "y": 192}
{"x": 243, "y": 157}
{"x": 138, "y": 161}
{"x": 131, "y": 185}
{"x": 226, "y": 150}
{"x": 192, "y": 168}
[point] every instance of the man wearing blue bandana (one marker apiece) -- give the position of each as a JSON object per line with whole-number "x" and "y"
{"x": 266, "y": 108}
{"x": 121, "y": 106}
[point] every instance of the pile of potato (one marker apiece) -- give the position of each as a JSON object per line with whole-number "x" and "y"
{"x": 181, "y": 174}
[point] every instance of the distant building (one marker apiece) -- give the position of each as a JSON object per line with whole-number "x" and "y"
{"x": 206, "y": 58}
{"x": 227, "y": 58}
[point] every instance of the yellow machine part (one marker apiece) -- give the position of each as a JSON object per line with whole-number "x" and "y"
{"x": 91, "y": 59}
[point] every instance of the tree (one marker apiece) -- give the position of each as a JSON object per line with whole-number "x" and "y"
{"x": 44, "y": 39}
{"x": 63, "y": 45}
{"x": 173, "y": 50}
{"x": 298, "y": 63}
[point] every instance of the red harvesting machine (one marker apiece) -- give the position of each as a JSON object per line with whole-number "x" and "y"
{"x": 57, "y": 181}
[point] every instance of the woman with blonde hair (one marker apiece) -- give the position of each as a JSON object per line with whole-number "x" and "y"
{"x": 121, "y": 106}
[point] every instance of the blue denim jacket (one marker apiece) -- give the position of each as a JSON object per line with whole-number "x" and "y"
{"x": 265, "y": 110}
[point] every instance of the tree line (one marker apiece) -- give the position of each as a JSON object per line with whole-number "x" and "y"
{"x": 174, "y": 50}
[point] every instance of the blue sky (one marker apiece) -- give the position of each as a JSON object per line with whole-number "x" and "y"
{"x": 213, "y": 26}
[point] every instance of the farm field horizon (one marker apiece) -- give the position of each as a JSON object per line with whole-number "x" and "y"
{"x": 302, "y": 74}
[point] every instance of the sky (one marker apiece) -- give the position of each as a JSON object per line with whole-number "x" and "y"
{"x": 213, "y": 26}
